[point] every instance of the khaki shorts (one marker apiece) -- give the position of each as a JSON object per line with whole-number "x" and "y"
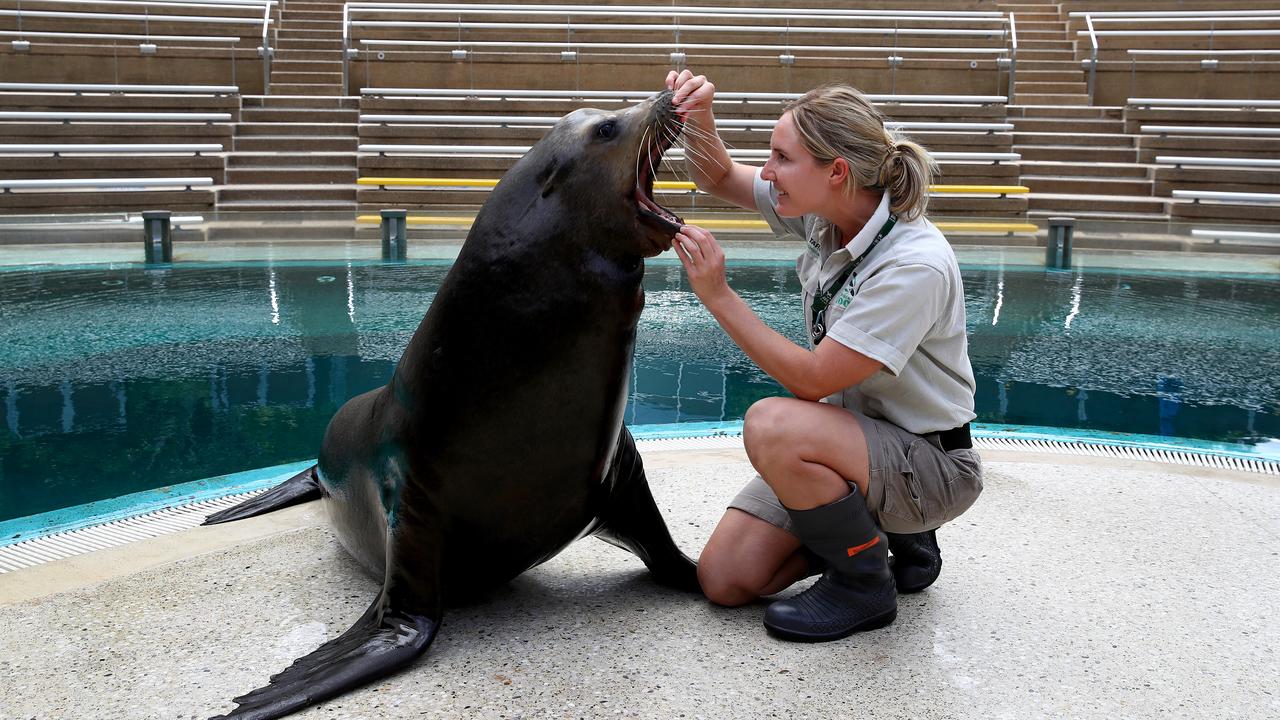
{"x": 914, "y": 485}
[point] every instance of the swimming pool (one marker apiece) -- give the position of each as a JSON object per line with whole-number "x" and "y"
{"x": 120, "y": 378}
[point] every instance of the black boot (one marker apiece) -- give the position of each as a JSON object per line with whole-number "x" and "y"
{"x": 916, "y": 560}
{"x": 855, "y": 593}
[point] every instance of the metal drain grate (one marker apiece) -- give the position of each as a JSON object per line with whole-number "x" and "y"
{"x": 112, "y": 534}
{"x": 1130, "y": 452}
{"x": 161, "y": 522}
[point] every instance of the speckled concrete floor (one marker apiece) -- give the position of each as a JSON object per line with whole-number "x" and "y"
{"x": 1078, "y": 588}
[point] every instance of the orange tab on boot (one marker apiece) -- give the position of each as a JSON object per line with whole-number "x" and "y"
{"x": 859, "y": 548}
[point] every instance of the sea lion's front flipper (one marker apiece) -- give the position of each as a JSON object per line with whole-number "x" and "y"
{"x": 300, "y": 488}
{"x": 631, "y": 520}
{"x": 395, "y": 630}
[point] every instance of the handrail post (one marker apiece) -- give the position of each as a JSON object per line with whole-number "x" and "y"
{"x": 266, "y": 51}
{"x": 394, "y": 240}
{"x": 1057, "y": 249}
{"x": 346, "y": 46}
{"x": 1013, "y": 58}
{"x": 1093, "y": 60}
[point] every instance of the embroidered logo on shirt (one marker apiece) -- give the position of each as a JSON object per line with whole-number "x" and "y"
{"x": 846, "y": 295}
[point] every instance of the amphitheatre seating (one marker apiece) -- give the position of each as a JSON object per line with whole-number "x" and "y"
{"x": 631, "y": 45}
{"x": 1155, "y": 48}
{"x": 96, "y": 194}
{"x": 133, "y": 41}
{"x": 398, "y": 118}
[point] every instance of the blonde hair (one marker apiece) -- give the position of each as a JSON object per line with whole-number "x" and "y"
{"x": 837, "y": 121}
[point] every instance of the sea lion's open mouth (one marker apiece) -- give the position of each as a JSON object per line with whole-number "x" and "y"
{"x": 650, "y": 158}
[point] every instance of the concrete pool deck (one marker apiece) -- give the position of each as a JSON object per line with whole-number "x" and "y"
{"x": 1075, "y": 587}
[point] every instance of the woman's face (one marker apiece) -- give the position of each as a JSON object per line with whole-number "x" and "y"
{"x": 803, "y": 185}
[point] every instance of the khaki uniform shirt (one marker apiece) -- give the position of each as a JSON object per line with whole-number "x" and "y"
{"x": 903, "y": 306}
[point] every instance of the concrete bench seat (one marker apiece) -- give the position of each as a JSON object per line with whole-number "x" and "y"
{"x": 131, "y": 194}
{"x": 1152, "y": 146}
{"x": 1198, "y": 205}
{"x": 76, "y": 116}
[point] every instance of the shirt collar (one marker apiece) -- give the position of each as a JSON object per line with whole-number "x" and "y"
{"x": 862, "y": 240}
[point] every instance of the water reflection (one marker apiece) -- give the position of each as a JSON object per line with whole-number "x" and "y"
{"x": 119, "y": 380}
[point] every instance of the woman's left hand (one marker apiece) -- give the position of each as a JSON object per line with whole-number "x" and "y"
{"x": 703, "y": 261}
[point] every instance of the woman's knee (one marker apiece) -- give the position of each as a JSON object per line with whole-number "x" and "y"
{"x": 765, "y": 427}
{"x": 722, "y": 584}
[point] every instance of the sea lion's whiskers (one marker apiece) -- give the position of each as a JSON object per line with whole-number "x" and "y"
{"x": 694, "y": 155}
{"x": 640, "y": 148}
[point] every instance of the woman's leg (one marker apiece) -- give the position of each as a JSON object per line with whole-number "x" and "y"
{"x": 808, "y": 452}
{"x": 747, "y": 557}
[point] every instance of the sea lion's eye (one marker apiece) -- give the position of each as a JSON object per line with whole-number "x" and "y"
{"x": 605, "y": 130}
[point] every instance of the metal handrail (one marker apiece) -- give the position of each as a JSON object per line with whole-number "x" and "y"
{"x": 1111, "y": 15}
{"x": 1259, "y": 51}
{"x": 1183, "y": 33}
{"x": 229, "y": 39}
{"x": 58, "y": 183}
{"x": 625, "y": 95}
{"x": 73, "y": 116}
{"x": 1093, "y": 59}
{"x": 1241, "y": 197}
{"x": 1207, "y": 130}
{"x": 121, "y": 148}
{"x": 582, "y": 27}
{"x": 1203, "y": 102}
{"x": 1180, "y": 160}
{"x": 128, "y": 16}
{"x": 116, "y": 88}
{"x": 1013, "y": 57}
{"x": 1272, "y": 15}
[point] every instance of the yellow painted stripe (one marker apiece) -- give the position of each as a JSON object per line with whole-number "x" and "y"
{"x": 717, "y": 223}
{"x": 664, "y": 185}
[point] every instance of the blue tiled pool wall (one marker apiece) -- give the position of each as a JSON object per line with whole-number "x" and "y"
{"x": 120, "y": 380}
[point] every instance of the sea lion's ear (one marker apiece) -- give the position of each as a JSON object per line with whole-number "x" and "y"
{"x": 553, "y": 174}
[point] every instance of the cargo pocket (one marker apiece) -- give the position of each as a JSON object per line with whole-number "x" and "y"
{"x": 946, "y": 486}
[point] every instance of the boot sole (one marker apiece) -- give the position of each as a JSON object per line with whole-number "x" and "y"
{"x": 872, "y": 623}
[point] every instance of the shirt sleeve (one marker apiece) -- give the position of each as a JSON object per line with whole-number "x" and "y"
{"x": 892, "y": 313}
{"x": 766, "y": 205}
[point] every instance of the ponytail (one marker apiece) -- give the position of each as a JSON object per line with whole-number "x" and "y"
{"x": 838, "y": 121}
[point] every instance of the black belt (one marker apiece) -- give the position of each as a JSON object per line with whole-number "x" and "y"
{"x": 956, "y": 438}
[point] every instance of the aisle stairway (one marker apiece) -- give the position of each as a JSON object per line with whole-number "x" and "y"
{"x": 295, "y": 147}
{"x": 1076, "y": 158}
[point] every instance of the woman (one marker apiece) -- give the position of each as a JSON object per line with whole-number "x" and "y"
{"x": 888, "y": 446}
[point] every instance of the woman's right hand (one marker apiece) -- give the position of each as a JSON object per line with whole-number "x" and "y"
{"x": 693, "y": 93}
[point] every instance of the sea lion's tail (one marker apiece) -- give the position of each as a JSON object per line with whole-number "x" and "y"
{"x": 298, "y": 489}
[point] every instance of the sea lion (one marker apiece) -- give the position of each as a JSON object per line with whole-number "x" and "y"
{"x": 499, "y": 439}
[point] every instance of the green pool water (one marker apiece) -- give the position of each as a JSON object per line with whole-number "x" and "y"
{"x": 115, "y": 379}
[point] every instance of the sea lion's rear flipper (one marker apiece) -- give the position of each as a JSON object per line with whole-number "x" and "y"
{"x": 381, "y": 642}
{"x": 298, "y": 489}
{"x": 632, "y": 521}
{"x": 395, "y": 630}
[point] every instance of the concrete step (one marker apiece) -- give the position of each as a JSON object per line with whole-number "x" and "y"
{"x": 1025, "y": 109}
{"x": 1042, "y": 44}
{"x": 1067, "y": 168}
{"x": 1070, "y": 153}
{"x": 289, "y": 44}
{"x": 1053, "y": 99}
{"x": 242, "y": 160}
{"x": 300, "y": 89}
{"x": 1072, "y": 185}
{"x": 295, "y": 129}
{"x": 287, "y": 143}
{"x": 1033, "y": 35}
{"x": 311, "y": 33}
{"x": 1094, "y": 202}
{"x": 285, "y": 205}
{"x": 286, "y": 193}
{"x": 1023, "y": 138}
{"x": 300, "y": 101}
{"x": 1050, "y": 125}
{"x": 331, "y": 65}
{"x": 1031, "y": 87}
{"x": 1040, "y": 22}
{"x": 1038, "y": 55}
{"x": 306, "y": 18}
{"x": 1069, "y": 74}
{"x": 1066, "y": 65}
{"x": 341, "y": 116}
{"x": 306, "y": 175}
{"x": 288, "y": 77}
{"x": 334, "y": 55}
